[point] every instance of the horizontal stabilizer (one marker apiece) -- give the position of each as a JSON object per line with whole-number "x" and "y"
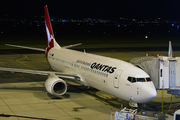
{"x": 69, "y": 46}
{"x": 32, "y": 48}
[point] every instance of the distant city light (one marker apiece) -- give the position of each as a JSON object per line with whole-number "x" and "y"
{"x": 118, "y": 23}
{"x": 63, "y": 20}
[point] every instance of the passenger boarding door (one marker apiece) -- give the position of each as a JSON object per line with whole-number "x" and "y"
{"x": 116, "y": 78}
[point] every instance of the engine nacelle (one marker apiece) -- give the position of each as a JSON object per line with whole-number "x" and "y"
{"x": 55, "y": 86}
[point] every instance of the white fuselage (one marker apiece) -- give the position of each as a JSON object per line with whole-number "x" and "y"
{"x": 104, "y": 73}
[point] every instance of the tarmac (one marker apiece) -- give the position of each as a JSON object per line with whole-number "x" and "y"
{"x": 22, "y": 96}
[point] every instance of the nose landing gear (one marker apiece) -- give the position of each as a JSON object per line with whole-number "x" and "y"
{"x": 132, "y": 103}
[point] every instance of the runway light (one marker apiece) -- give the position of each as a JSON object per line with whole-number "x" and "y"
{"x": 146, "y": 36}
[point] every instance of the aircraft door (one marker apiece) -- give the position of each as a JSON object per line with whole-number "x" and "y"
{"x": 116, "y": 78}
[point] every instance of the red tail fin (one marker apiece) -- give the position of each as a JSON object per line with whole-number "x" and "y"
{"x": 51, "y": 42}
{"x": 49, "y": 32}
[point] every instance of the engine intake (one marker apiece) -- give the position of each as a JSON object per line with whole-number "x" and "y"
{"x": 56, "y": 86}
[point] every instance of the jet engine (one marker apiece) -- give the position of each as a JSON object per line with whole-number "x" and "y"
{"x": 55, "y": 86}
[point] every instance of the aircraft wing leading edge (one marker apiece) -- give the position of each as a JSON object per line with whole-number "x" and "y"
{"x": 32, "y": 48}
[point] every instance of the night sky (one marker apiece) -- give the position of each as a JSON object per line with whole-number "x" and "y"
{"x": 139, "y": 9}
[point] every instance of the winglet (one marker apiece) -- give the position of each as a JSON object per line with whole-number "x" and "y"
{"x": 170, "y": 52}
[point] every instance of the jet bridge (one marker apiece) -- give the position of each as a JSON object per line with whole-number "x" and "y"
{"x": 164, "y": 71}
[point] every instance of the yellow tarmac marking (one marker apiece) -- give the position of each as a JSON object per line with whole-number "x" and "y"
{"x": 18, "y": 60}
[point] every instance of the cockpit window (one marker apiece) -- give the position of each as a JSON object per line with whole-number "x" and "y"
{"x": 141, "y": 79}
{"x": 148, "y": 79}
{"x": 133, "y": 79}
{"x": 129, "y": 79}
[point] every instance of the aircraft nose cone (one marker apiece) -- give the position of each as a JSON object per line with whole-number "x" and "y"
{"x": 148, "y": 92}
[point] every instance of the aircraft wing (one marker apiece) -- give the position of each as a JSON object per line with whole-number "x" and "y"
{"x": 32, "y": 48}
{"x": 69, "y": 46}
{"x": 40, "y": 49}
{"x": 61, "y": 75}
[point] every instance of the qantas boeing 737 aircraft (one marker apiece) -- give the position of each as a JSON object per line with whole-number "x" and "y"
{"x": 113, "y": 76}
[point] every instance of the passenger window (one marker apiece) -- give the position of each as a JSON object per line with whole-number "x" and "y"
{"x": 141, "y": 80}
{"x": 148, "y": 79}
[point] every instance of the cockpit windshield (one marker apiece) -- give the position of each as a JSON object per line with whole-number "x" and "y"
{"x": 133, "y": 79}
